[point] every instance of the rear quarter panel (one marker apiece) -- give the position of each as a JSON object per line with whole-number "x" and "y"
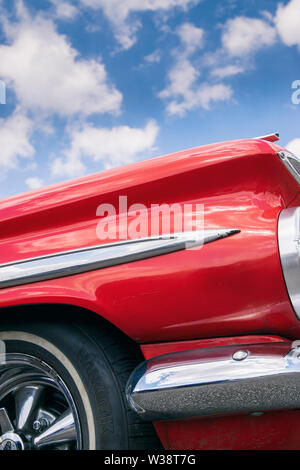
{"x": 229, "y": 287}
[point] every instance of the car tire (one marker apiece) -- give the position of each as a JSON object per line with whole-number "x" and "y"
{"x": 93, "y": 363}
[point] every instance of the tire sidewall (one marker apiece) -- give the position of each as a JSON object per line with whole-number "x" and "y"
{"x": 83, "y": 368}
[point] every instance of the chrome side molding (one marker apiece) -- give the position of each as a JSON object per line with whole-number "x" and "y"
{"x": 72, "y": 262}
{"x": 289, "y": 250}
{"x": 215, "y": 381}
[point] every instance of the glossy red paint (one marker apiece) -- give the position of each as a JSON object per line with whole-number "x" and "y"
{"x": 218, "y": 353}
{"x": 230, "y": 287}
{"x": 156, "y": 349}
{"x": 296, "y": 201}
{"x": 268, "y": 431}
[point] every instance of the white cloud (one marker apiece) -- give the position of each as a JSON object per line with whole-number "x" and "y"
{"x": 153, "y": 58}
{"x": 294, "y": 146}
{"x": 118, "y": 13}
{"x": 34, "y": 182}
{"x": 203, "y": 97}
{"x": 191, "y": 37}
{"x": 227, "y": 71}
{"x": 181, "y": 78}
{"x": 64, "y": 10}
{"x": 243, "y": 36}
{"x": 113, "y": 147}
{"x": 184, "y": 92}
{"x": 48, "y": 74}
{"x": 287, "y": 21}
{"x": 15, "y": 134}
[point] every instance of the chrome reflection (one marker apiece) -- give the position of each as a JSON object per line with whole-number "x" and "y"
{"x": 292, "y": 163}
{"x": 63, "y": 430}
{"x": 289, "y": 249}
{"x": 37, "y": 410}
{"x": 210, "y": 381}
{"x": 96, "y": 257}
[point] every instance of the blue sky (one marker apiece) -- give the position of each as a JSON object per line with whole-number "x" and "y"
{"x": 93, "y": 84}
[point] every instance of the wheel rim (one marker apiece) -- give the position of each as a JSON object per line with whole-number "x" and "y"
{"x": 37, "y": 410}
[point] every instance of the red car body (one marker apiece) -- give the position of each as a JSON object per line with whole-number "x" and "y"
{"x": 228, "y": 292}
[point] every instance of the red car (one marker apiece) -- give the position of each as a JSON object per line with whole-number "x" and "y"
{"x": 121, "y": 337}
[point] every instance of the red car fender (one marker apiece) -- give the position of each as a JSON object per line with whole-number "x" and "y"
{"x": 229, "y": 287}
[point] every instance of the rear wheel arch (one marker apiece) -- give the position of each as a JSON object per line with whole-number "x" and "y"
{"x": 120, "y": 353}
{"x": 49, "y": 311}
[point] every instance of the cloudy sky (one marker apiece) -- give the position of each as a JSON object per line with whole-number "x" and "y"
{"x": 93, "y": 84}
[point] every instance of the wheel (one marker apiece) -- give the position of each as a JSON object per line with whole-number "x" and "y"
{"x": 62, "y": 387}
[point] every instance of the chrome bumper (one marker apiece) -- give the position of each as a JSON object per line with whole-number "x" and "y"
{"x": 213, "y": 381}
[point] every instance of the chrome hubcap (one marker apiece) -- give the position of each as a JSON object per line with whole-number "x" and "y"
{"x": 36, "y": 408}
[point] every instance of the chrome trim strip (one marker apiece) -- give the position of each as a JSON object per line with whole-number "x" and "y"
{"x": 215, "y": 381}
{"x": 86, "y": 259}
{"x": 269, "y": 137}
{"x": 289, "y": 249}
{"x": 286, "y": 158}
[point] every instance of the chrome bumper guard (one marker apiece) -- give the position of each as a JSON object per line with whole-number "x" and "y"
{"x": 215, "y": 381}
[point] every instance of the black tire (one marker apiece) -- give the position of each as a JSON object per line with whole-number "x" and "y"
{"x": 94, "y": 363}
